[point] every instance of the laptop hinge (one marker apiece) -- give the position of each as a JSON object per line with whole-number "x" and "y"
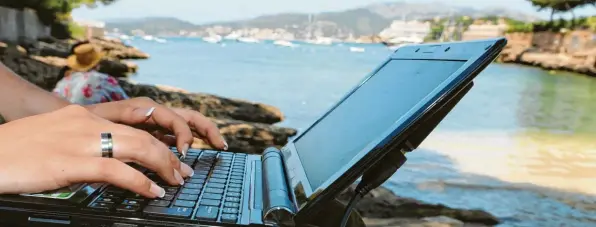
{"x": 277, "y": 205}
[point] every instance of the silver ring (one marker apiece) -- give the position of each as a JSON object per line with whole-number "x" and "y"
{"x": 107, "y": 145}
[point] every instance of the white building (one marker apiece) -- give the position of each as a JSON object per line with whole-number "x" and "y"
{"x": 92, "y": 28}
{"x": 406, "y": 31}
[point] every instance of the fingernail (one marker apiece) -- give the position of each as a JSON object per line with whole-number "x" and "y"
{"x": 225, "y": 144}
{"x": 187, "y": 170}
{"x": 149, "y": 112}
{"x": 184, "y": 150}
{"x": 178, "y": 177}
{"x": 157, "y": 191}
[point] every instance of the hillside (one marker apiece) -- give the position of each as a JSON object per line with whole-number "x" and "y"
{"x": 367, "y": 20}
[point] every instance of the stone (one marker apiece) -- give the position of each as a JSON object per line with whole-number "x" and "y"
{"x": 118, "y": 50}
{"x": 381, "y": 203}
{"x": 209, "y": 105}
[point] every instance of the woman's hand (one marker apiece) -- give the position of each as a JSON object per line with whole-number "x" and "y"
{"x": 146, "y": 113}
{"x": 60, "y": 148}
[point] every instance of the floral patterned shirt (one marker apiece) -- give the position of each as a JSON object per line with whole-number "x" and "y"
{"x": 86, "y": 88}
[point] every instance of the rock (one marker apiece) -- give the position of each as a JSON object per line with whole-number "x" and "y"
{"x": 383, "y": 204}
{"x": 209, "y": 105}
{"x": 118, "y": 50}
{"x": 581, "y": 62}
{"x": 413, "y": 222}
{"x": 250, "y": 138}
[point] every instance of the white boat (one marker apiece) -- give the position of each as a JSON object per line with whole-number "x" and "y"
{"x": 284, "y": 43}
{"x": 148, "y": 37}
{"x": 248, "y": 40}
{"x": 320, "y": 41}
{"x": 357, "y": 49}
{"x": 212, "y": 39}
{"x": 232, "y": 36}
{"x": 160, "y": 40}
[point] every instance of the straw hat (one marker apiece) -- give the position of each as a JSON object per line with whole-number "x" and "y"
{"x": 85, "y": 57}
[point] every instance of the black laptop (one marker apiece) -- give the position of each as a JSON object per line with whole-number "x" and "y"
{"x": 380, "y": 115}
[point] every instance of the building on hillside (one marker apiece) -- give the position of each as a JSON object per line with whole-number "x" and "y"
{"x": 485, "y": 30}
{"x": 93, "y": 29}
{"x": 414, "y": 30}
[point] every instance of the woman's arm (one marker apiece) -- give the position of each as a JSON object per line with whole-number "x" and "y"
{"x": 19, "y": 98}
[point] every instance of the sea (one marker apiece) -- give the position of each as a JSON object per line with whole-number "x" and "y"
{"x": 521, "y": 145}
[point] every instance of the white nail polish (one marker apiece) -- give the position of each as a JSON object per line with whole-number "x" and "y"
{"x": 150, "y": 112}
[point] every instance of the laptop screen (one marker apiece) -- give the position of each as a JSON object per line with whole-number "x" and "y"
{"x": 368, "y": 112}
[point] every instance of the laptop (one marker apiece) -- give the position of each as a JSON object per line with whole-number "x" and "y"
{"x": 391, "y": 110}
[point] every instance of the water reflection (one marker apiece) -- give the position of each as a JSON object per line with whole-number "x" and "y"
{"x": 558, "y": 104}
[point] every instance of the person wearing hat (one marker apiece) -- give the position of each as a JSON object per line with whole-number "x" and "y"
{"x": 83, "y": 83}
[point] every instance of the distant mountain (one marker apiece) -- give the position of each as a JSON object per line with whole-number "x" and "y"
{"x": 367, "y": 20}
{"x": 150, "y": 25}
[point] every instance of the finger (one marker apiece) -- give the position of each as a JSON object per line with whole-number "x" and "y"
{"x": 130, "y": 144}
{"x": 169, "y": 140}
{"x": 110, "y": 171}
{"x": 172, "y": 121}
{"x": 208, "y": 130}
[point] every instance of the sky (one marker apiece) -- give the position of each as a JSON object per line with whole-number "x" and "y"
{"x": 204, "y": 11}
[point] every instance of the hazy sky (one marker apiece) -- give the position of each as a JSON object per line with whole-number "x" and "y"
{"x": 201, "y": 11}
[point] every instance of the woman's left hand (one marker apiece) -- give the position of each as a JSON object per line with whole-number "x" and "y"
{"x": 147, "y": 114}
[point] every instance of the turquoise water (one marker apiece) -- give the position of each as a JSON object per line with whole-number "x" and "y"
{"x": 520, "y": 145}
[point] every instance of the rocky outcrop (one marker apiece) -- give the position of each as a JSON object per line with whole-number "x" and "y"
{"x": 118, "y": 50}
{"x": 572, "y": 51}
{"x": 581, "y": 62}
{"x": 247, "y": 126}
{"x": 383, "y": 208}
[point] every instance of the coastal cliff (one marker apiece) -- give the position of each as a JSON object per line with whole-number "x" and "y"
{"x": 573, "y": 51}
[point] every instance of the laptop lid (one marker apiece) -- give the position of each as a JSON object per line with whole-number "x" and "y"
{"x": 336, "y": 149}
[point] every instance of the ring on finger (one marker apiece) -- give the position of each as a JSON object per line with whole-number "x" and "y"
{"x": 107, "y": 145}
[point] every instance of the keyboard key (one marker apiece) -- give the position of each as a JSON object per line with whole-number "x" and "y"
{"x": 184, "y": 203}
{"x": 231, "y": 204}
{"x": 191, "y": 191}
{"x": 230, "y": 210}
{"x": 188, "y": 197}
{"x": 215, "y": 180}
{"x": 210, "y": 202}
{"x": 168, "y": 197}
{"x": 233, "y": 199}
{"x": 208, "y": 213}
{"x": 128, "y": 208}
{"x": 233, "y": 181}
{"x": 211, "y": 196}
{"x": 100, "y": 206}
{"x": 193, "y": 186}
{"x": 229, "y": 218}
{"x": 216, "y": 185}
{"x": 235, "y": 185}
{"x": 106, "y": 200}
{"x": 237, "y": 177}
{"x": 131, "y": 202}
{"x": 219, "y": 176}
{"x": 233, "y": 194}
{"x": 195, "y": 181}
{"x": 159, "y": 203}
{"x": 234, "y": 189}
{"x": 164, "y": 211}
{"x": 221, "y": 168}
{"x": 214, "y": 190}
{"x": 171, "y": 190}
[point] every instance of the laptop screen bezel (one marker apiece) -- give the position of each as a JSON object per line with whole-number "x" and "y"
{"x": 472, "y": 52}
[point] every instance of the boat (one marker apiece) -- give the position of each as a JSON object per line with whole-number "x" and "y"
{"x": 357, "y": 49}
{"x": 248, "y": 40}
{"x": 148, "y": 37}
{"x": 212, "y": 39}
{"x": 320, "y": 41}
{"x": 232, "y": 36}
{"x": 160, "y": 40}
{"x": 284, "y": 43}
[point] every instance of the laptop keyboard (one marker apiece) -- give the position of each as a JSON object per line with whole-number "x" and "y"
{"x": 213, "y": 194}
